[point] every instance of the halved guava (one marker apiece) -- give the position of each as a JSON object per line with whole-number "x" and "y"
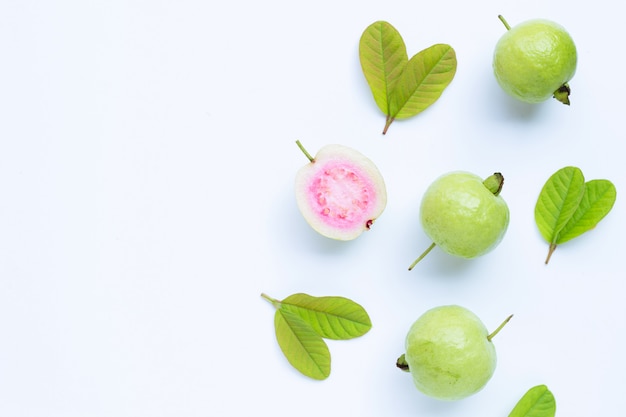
{"x": 340, "y": 192}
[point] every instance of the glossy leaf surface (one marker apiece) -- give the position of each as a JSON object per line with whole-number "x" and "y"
{"x": 330, "y": 317}
{"x": 423, "y": 80}
{"x": 537, "y": 402}
{"x": 302, "y": 346}
{"x": 301, "y": 323}
{"x": 403, "y": 88}
{"x": 558, "y": 201}
{"x": 598, "y": 200}
{"x": 383, "y": 55}
{"x": 568, "y": 206}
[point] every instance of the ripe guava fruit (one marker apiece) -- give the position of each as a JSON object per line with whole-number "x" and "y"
{"x": 449, "y": 353}
{"x": 535, "y": 60}
{"x": 340, "y": 192}
{"x": 463, "y": 214}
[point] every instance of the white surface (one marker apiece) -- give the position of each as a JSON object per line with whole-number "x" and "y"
{"x": 147, "y": 159}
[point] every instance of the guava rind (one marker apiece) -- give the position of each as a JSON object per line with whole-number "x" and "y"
{"x": 534, "y": 59}
{"x": 462, "y": 216}
{"x": 340, "y": 193}
{"x": 449, "y": 354}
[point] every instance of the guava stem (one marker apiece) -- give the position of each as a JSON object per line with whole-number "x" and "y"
{"x": 550, "y": 252}
{"x": 495, "y": 332}
{"x": 506, "y": 25}
{"x": 562, "y": 94}
{"x": 494, "y": 183}
{"x": 432, "y": 245}
{"x": 402, "y": 364}
{"x": 304, "y": 151}
{"x": 273, "y": 301}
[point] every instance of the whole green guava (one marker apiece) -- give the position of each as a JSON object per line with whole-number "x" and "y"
{"x": 535, "y": 60}
{"x": 462, "y": 215}
{"x": 449, "y": 353}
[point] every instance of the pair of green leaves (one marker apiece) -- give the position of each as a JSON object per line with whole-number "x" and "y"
{"x": 402, "y": 88}
{"x": 302, "y": 322}
{"x": 568, "y": 206}
{"x": 537, "y": 402}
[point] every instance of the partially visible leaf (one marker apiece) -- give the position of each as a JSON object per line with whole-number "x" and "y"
{"x": 597, "y": 201}
{"x": 558, "y": 201}
{"x": 422, "y": 81}
{"x": 302, "y": 346}
{"x": 331, "y": 317}
{"x": 537, "y": 402}
{"x": 383, "y": 55}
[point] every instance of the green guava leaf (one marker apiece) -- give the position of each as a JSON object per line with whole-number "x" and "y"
{"x": 558, "y": 201}
{"x": 598, "y": 200}
{"x": 422, "y": 81}
{"x": 402, "y": 88}
{"x": 537, "y": 402}
{"x": 302, "y": 321}
{"x": 331, "y": 317}
{"x": 383, "y": 55}
{"x": 302, "y": 346}
{"x": 568, "y": 206}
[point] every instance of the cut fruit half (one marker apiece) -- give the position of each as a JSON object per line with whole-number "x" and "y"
{"x": 340, "y": 192}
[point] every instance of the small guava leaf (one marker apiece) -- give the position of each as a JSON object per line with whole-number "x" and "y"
{"x": 598, "y": 200}
{"x": 568, "y": 206}
{"x": 331, "y": 317}
{"x": 537, "y": 402}
{"x": 402, "y": 88}
{"x": 301, "y": 321}
{"x": 558, "y": 201}
{"x": 422, "y": 81}
{"x": 383, "y": 55}
{"x": 302, "y": 346}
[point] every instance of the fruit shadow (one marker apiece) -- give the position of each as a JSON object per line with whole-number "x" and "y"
{"x": 295, "y": 235}
{"x": 310, "y": 241}
{"x": 433, "y": 407}
{"x": 439, "y": 264}
{"x": 496, "y": 103}
{"x": 511, "y": 109}
{"x": 407, "y": 396}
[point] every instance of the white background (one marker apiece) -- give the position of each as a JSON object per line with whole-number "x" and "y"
{"x": 147, "y": 159}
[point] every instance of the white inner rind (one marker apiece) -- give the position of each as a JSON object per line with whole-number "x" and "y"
{"x": 354, "y": 192}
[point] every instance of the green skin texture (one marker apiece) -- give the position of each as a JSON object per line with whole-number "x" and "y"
{"x": 462, "y": 216}
{"x": 534, "y": 59}
{"x": 449, "y": 354}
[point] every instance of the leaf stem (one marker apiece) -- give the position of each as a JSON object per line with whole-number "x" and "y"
{"x": 388, "y": 122}
{"x": 304, "y": 151}
{"x": 495, "y": 332}
{"x": 506, "y": 25}
{"x": 432, "y": 245}
{"x": 550, "y": 252}
{"x": 273, "y": 301}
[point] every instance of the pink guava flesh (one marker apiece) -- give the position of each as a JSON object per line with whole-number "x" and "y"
{"x": 341, "y": 195}
{"x": 340, "y": 192}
